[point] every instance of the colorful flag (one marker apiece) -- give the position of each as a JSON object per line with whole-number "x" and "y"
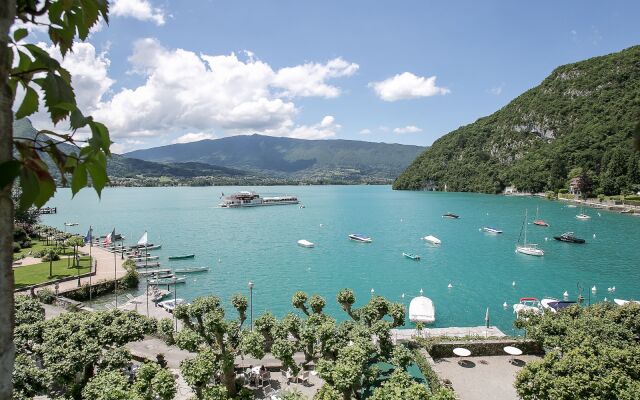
{"x": 143, "y": 240}
{"x": 109, "y": 238}
{"x": 89, "y": 237}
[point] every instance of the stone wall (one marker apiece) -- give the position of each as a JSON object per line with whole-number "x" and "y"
{"x": 484, "y": 348}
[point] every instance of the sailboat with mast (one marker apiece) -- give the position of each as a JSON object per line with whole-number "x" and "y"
{"x": 582, "y": 215}
{"x": 530, "y": 249}
{"x": 538, "y": 221}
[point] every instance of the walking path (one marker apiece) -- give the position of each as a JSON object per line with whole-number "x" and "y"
{"x": 105, "y": 270}
{"x": 405, "y": 335}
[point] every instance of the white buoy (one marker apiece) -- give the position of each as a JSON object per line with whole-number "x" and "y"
{"x": 401, "y": 220}
{"x": 513, "y": 283}
{"x": 599, "y": 215}
{"x": 372, "y": 291}
{"x": 613, "y": 288}
{"x": 421, "y": 292}
{"x": 546, "y": 239}
{"x": 593, "y": 289}
{"x": 402, "y": 295}
{"x": 320, "y": 225}
{"x": 565, "y": 294}
{"x": 219, "y": 260}
{"x": 609, "y": 289}
{"x": 605, "y": 300}
{"x": 450, "y": 286}
{"x": 505, "y": 305}
{"x": 594, "y": 235}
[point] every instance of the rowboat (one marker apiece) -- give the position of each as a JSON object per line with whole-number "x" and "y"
{"x": 183, "y": 257}
{"x": 414, "y": 257}
{"x": 191, "y": 270}
{"x": 305, "y": 243}
{"x": 360, "y": 238}
{"x": 432, "y": 239}
{"x": 167, "y": 281}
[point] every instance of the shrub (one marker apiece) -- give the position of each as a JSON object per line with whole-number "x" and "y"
{"x": 50, "y": 256}
{"x": 26, "y": 244}
{"x": 46, "y": 296}
{"x": 16, "y": 247}
{"x": 563, "y": 191}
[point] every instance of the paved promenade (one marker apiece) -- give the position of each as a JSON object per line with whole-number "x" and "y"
{"x": 105, "y": 270}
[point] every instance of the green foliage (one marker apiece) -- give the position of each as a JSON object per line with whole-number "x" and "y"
{"x": 154, "y": 382}
{"x": 578, "y": 122}
{"x": 34, "y": 71}
{"x": 109, "y": 385}
{"x": 592, "y": 353}
{"x": 46, "y": 296}
{"x": 401, "y": 386}
{"x": 165, "y": 330}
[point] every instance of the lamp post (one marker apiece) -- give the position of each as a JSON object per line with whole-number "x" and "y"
{"x": 175, "y": 301}
{"x": 251, "y": 303}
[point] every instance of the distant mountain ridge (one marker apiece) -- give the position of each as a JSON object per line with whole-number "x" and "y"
{"x": 578, "y": 122}
{"x": 288, "y": 157}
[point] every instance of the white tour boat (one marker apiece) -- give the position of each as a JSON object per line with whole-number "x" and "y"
{"x": 489, "y": 229}
{"x": 621, "y": 302}
{"x": 356, "y": 237}
{"x": 432, "y": 239}
{"x": 421, "y": 309}
{"x": 252, "y": 199}
{"x": 305, "y": 243}
{"x": 583, "y": 216}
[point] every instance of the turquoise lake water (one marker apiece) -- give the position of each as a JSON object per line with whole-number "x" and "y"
{"x": 259, "y": 244}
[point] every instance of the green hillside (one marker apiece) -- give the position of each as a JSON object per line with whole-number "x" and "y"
{"x": 578, "y": 121}
{"x": 292, "y": 158}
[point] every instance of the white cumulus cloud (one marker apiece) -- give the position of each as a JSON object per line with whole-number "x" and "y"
{"x": 309, "y": 79}
{"x": 365, "y": 131}
{"x": 407, "y": 86}
{"x": 324, "y": 129}
{"x": 193, "y": 137}
{"x": 407, "y": 129}
{"x": 138, "y": 9}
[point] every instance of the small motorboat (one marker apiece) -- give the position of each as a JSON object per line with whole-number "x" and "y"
{"x": 170, "y": 305}
{"x": 540, "y": 222}
{"x": 140, "y": 264}
{"x": 191, "y": 270}
{"x": 555, "y": 305}
{"x": 569, "y": 237}
{"x": 142, "y": 258}
{"x": 184, "y": 257}
{"x": 305, "y": 243}
{"x": 572, "y": 206}
{"x": 432, "y": 239}
{"x": 527, "y": 304}
{"x": 450, "y": 215}
{"x": 411, "y": 256}
{"x": 421, "y": 309}
{"x": 489, "y": 229}
{"x": 621, "y": 302}
{"x": 583, "y": 217}
{"x": 356, "y": 237}
{"x": 167, "y": 281}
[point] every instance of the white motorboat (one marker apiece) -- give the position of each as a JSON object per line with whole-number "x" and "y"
{"x": 555, "y": 305}
{"x": 421, "y": 309}
{"x": 432, "y": 239}
{"x": 492, "y": 230}
{"x": 583, "y": 216}
{"x": 170, "y": 305}
{"x": 621, "y": 302}
{"x": 530, "y": 249}
{"x": 305, "y": 243}
{"x": 252, "y": 199}
{"x": 356, "y": 237}
{"x": 527, "y": 304}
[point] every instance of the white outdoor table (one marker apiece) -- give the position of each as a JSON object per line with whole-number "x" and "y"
{"x": 461, "y": 352}
{"x": 512, "y": 351}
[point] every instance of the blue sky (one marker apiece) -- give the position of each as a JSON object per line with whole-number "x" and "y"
{"x": 176, "y": 71}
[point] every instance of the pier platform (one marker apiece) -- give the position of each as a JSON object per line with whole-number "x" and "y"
{"x": 405, "y": 335}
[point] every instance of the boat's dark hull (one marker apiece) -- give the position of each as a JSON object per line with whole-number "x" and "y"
{"x": 574, "y": 240}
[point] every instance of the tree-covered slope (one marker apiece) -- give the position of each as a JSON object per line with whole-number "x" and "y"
{"x": 579, "y": 120}
{"x": 299, "y": 158}
{"x": 119, "y": 166}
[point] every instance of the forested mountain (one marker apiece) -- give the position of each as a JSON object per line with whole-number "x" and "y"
{"x": 123, "y": 167}
{"x": 291, "y": 158}
{"x": 578, "y": 122}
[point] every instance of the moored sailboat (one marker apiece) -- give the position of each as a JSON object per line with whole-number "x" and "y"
{"x": 530, "y": 249}
{"x": 538, "y": 221}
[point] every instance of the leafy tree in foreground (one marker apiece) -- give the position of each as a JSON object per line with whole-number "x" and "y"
{"x": 27, "y": 69}
{"x": 593, "y": 353}
{"x": 60, "y": 356}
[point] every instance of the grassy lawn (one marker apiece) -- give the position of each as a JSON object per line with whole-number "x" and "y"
{"x": 37, "y": 245}
{"x": 38, "y": 273}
